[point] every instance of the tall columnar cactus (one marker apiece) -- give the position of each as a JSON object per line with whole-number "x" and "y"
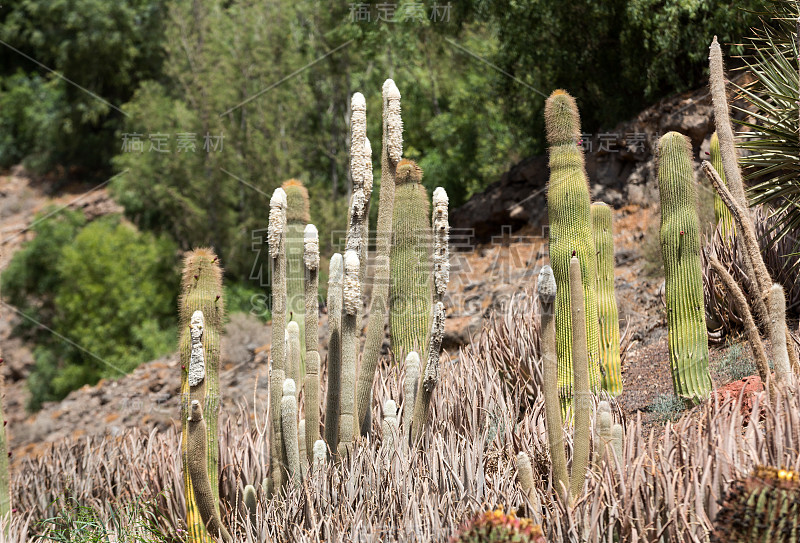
{"x": 583, "y": 397}
{"x": 297, "y": 217}
{"x": 361, "y": 174}
{"x": 430, "y": 374}
{"x": 201, "y": 312}
{"x": 352, "y": 303}
{"x": 206, "y": 499}
{"x": 546, "y": 290}
{"x": 301, "y": 438}
{"x": 335, "y": 282}
{"x": 311, "y": 261}
{"x": 411, "y": 266}
{"x": 680, "y": 249}
{"x": 293, "y": 352}
{"x": 391, "y": 153}
{"x": 441, "y": 243}
{"x": 764, "y": 507}
{"x": 410, "y": 391}
{"x": 276, "y": 237}
{"x": 570, "y": 234}
{"x": 289, "y": 429}
{"x": 777, "y": 334}
{"x": 610, "y": 362}
{"x": 722, "y": 214}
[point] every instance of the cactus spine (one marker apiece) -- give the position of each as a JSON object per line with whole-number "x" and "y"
{"x": 289, "y": 428}
{"x": 201, "y": 312}
{"x": 680, "y": 249}
{"x": 277, "y": 251}
{"x": 570, "y": 234}
{"x": 335, "y": 282}
{"x": 580, "y": 365}
{"x": 610, "y": 362}
{"x": 546, "y": 290}
{"x": 722, "y": 214}
{"x": 352, "y": 303}
{"x": 311, "y": 261}
{"x": 410, "y": 391}
{"x": 297, "y": 216}
{"x": 411, "y": 267}
{"x": 207, "y": 500}
{"x": 392, "y": 150}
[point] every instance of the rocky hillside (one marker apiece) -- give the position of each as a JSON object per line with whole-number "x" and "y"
{"x": 499, "y": 239}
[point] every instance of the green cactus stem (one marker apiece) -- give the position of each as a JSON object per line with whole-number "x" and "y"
{"x": 410, "y": 385}
{"x": 570, "y": 235}
{"x": 335, "y": 283}
{"x": 198, "y": 471}
{"x": 379, "y": 304}
{"x": 276, "y": 237}
{"x": 580, "y": 368}
{"x": 297, "y": 217}
{"x": 430, "y": 375}
{"x": 546, "y": 291}
{"x": 249, "y": 499}
{"x": 411, "y": 265}
{"x": 289, "y": 429}
{"x": 610, "y": 360}
{"x": 293, "y": 360}
{"x": 311, "y": 390}
{"x": 722, "y": 214}
{"x": 352, "y": 301}
{"x": 201, "y": 312}
{"x": 680, "y": 250}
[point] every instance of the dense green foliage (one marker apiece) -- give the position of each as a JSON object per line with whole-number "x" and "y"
{"x": 106, "y": 290}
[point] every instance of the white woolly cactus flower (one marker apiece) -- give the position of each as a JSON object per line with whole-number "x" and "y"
{"x": 352, "y": 285}
{"x": 311, "y": 247}
{"x": 359, "y": 159}
{"x": 277, "y": 221}
{"x": 431, "y": 377}
{"x": 368, "y": 168}
{"x": 393, "y": 122}
{"x": 546, "y": 285}
{"x": 197, "y": 363}
{"x": 441, "y": 238}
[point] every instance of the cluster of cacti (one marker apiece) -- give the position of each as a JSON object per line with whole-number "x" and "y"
{"x": 722, "y": 215}
{"x": 568, "y": 204}
{"x": 607, "y": 435}
{"x": 411, "y": 263}
{"x": 499, "y": 527}
{"x": 610, "y": 360}
{"x": 201, "y": 313}
{"x": 680, "y": 250}
{"x": 764, "y": 507}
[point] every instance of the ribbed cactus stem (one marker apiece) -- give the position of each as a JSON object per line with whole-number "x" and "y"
{"x": 198, "y": 471}
{"x": 610, "y": 360}
{"x": 617, "y": 435}
{"x": 352, "y": 303}
{"x": 680, "y": 250}
{"x": 249, "y": 499}
{"x": 568, "y": 204}
{"x": 722, "y": 214}
{"x": 335, "y": 282}
{"x": 410, "y": 385}
{"x": 293, "y": 351}
{"x": 320, "y": 453}
{"x": 777, "y": 335}
{"x": 289, "y": 428}
{"x": 301, "y": 436}
{"x": 392, "y": 150}
{"x": 525, "y": 477}
{"x": 580, "y": 367}
{"x": 276, "y": 238}
{"x": 389, "y": 429}
{"x": 411, "y": 287}
{"x": 441, "y": 243}
{"x": 311, "y": 391}
{"x": 297, "y": 216}
{"x": 201, "y": 310}
{"x": 430, "y": 374}
{"x": 546, "y": 291}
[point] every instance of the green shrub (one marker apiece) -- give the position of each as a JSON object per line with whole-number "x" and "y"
{"x": 667, "y": 407}
{"x": 737, "y": 363}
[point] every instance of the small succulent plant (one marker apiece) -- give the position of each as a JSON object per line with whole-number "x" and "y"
{"x": 498, "y": 526}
